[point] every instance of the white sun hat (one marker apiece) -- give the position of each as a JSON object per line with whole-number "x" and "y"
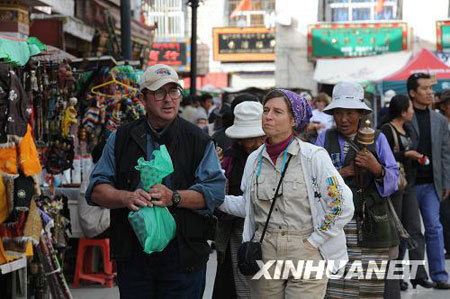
{"x": 388, "y": 95}
{"x": 347, "y": 95}
{"x": 247, "y": 121}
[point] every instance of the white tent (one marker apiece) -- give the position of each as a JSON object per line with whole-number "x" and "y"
{"x": 361, "y": 69}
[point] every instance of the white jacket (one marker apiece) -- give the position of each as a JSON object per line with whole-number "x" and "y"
{"x": 331, "y": 203}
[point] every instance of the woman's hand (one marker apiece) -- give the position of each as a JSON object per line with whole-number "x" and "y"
{"x": 413, "y": 155}
{"x": 347, "y": 171}
{"x": 219, "y": 152}
{"x": 366, "y": 160}
{"x": 308, "y": 245}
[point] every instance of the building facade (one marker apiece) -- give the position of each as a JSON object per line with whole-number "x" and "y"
{"x": 241, "y": 42}
{"x": 295, "y": 64}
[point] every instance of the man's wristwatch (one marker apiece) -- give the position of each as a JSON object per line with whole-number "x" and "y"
{"x": 176, "y": 198}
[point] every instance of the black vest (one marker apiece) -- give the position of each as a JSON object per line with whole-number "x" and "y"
{"x": 238, "y": 156}
{"x": 368, "y": 204}
{"x": 186, "y": 145}
{"x": 333, "y": 147}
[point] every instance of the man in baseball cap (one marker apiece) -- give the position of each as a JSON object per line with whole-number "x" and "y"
{"x": 158, "y": 75}
{"x": 162, "y": 94}
{"x": 191, "y": 193}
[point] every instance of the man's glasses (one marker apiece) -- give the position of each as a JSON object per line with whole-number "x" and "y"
{"x": 160, "y": 94}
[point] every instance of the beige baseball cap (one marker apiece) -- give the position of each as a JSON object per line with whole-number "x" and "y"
{"x": 157, "y": 76}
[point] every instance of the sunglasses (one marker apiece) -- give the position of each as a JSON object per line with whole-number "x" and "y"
{"x": 421, "y": 76}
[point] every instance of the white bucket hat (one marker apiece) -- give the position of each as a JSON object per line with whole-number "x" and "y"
{"x": 347, "y": 95}
{"x": 247, "y": 121}
{"x": 388, "y": 95}
{"x": 157, "y": 76}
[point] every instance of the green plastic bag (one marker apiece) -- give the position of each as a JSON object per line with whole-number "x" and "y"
{"x": 153, "y": 226}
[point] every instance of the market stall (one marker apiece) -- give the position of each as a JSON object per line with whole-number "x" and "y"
{"x": 55, "y": 115}
{"x": 425, "y": 62}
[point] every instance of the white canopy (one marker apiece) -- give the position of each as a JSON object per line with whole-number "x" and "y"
{"x": 371, "y": 68}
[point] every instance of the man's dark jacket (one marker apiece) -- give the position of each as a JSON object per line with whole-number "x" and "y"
{"x": 186, "y": 145}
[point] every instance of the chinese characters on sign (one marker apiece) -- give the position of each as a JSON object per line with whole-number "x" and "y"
{"x": 443, "y": 36}
{"x": 349, "y": 40}
{"x": 244, "y": 44}
{"x": 169, "y": 53}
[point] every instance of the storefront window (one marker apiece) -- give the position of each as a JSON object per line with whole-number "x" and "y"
{"x": 339, "y": 14}
{"x": 360, "y": 10}
{"x": 247, "y": 13}
{"x": 386, "y": 14}
{"x": 361, "y": 14}
{"x": 168, "y": 14}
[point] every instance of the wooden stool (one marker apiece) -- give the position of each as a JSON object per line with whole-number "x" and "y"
{"x": 82, "y": 271}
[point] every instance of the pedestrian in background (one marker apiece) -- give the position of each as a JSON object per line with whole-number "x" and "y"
{"x": 403, "y": 142}
{"x": 372, "y": 176}
{"x": 433, "y": 173}
{"x": 190, "y": 108}
{"x": 227, "y": 119}
{"x": 224, "y": 119}
{"x": 444, "y": 106}
{"x": 201, "y": 120}
{"x": 247, "y": 135}
{"x": 320, "y": 120}
{"x": 207, "y": 103}
{"x": 310, "y": 210}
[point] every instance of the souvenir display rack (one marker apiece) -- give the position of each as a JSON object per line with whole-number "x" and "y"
{"x": 60, "y": 113}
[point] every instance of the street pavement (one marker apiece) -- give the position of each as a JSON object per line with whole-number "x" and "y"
{"x": 98, "y": 292}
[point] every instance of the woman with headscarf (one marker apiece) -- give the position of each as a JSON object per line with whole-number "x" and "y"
{"x": 309, "y": 211}
{"x": 372, "y": 176}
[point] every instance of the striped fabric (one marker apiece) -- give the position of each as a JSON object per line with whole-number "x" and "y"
{"x": 240, "y": 281}
{"x": 359, "y": 288}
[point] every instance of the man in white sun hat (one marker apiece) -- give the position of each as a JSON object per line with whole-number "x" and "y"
{"x": 191, "y": 194}
{"x": 371, "y": 175}
{"x": 247, "y": 135}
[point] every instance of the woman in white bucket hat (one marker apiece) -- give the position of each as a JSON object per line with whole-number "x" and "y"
{"x": 247, "y": 135}
{"x": 372, "y": 176}
{"x": 294, "y": 202}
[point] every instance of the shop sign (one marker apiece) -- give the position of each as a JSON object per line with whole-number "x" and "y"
{"x": 14, "y": 19}
{"x": 173, "y": 53}
{"x": 244, "y": 44}
{"x": 443, "y": 36}
{"x": 356, "y": 39}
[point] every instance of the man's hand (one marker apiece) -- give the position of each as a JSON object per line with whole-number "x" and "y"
{"x": 365, "y": 159}
{"x": 347, "y": 170}
{"x": 161, "y": 195}
{"x": 137, "y": 199}
{"x": 445, "y": 193}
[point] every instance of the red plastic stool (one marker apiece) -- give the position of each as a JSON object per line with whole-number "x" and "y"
{"x": 81, "y": 270}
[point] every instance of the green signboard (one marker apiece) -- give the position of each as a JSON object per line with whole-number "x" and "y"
{"x": 352, "y": 40}
{"x": 443, "y": 36}
{"x": 446, "y": 37}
